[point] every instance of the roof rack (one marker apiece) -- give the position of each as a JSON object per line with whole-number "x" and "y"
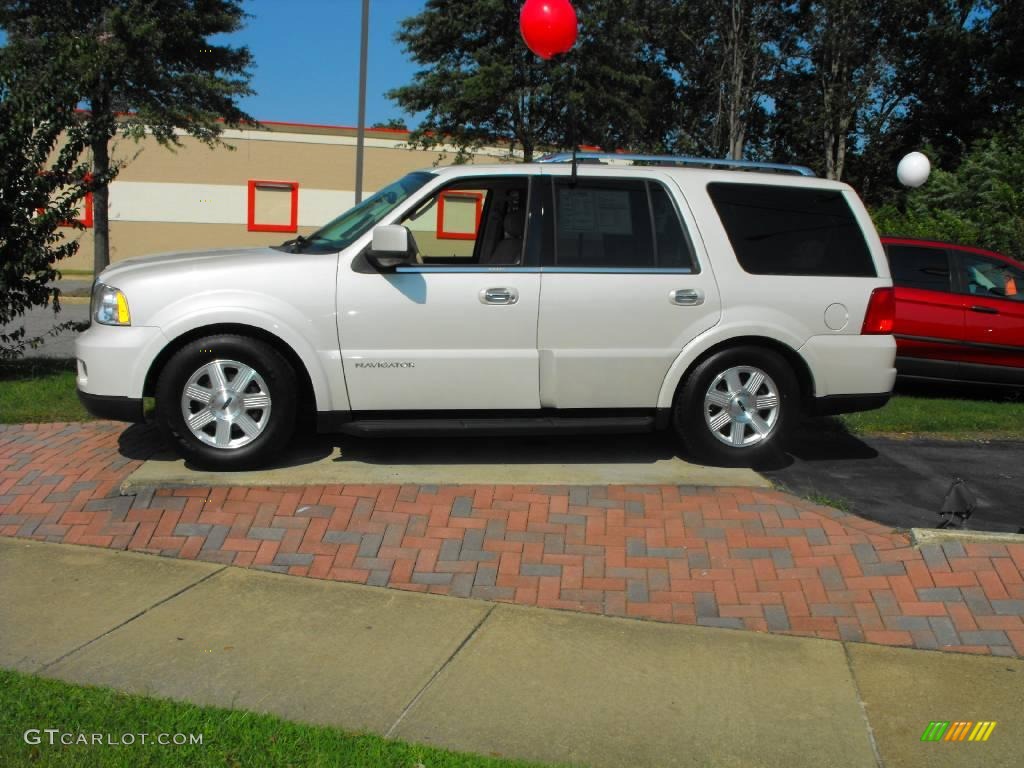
{"x": 705, "y": 162}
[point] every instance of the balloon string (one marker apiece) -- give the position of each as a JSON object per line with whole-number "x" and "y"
{"x": 572, "y": 114}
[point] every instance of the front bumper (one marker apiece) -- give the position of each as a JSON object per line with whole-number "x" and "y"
{"x": 112, "y": 365}
{"x": 113, "y": 407}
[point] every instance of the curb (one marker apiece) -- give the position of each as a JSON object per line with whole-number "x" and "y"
{"x": 921, "y": 536}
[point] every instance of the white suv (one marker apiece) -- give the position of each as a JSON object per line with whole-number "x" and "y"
{"x": 609, "y": 296}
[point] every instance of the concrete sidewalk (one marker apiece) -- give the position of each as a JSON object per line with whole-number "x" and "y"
{"x": 495, "y": 679}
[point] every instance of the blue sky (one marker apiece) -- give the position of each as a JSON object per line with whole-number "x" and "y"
{"x": 306, "y": 54}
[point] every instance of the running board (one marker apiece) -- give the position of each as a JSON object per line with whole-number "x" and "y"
{"x": 510, "y": 426}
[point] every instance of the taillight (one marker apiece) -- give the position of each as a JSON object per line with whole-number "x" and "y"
{"x": 881, "y": 314}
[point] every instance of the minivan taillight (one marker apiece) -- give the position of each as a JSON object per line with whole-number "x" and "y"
{"x": 881, "y": 314}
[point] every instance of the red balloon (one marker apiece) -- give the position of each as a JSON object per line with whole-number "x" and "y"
{"x": 548, "y": 27}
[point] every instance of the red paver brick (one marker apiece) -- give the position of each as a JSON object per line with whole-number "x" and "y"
{"x": 993, "y": 585}
{"x": 888, "y": 637}
{"x": 954, "y": 579}
{"x": 923, "y": 609}
{"x": 592, "y": 559}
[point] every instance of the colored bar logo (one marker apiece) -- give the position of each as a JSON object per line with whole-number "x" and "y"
{"x": 959, "y": 730}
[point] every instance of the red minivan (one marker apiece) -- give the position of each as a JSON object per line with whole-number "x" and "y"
{"x": 959, "y": 312}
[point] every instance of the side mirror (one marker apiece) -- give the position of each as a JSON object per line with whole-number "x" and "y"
{"x": 392, "y": 247}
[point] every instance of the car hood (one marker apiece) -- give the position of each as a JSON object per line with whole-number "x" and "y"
{"x": 185, "y": 260}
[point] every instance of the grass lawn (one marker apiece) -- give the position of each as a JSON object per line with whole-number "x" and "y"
{"x": 956, "y": 414}
{"x": 231, "y": 739}
{"x": 39, "y": 390}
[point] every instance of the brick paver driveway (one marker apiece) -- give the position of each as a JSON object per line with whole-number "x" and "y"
{"x": 744, "y": 558}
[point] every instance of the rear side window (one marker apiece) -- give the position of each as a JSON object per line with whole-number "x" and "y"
{"x": 776, "y": 230}
{"x": 922, "y": 268}
{"x": 617, "y": 224}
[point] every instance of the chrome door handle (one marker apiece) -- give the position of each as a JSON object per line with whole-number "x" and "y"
{"x": 499, "y": 296}
{"x": 686, "y": 297}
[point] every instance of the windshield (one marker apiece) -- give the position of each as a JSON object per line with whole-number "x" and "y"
{"x": 347, "y": 228}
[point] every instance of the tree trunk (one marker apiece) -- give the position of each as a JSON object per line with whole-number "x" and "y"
{"x": 100, "y": 205}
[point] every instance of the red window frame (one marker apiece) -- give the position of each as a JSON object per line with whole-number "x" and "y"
{"x": 293, "y": 225}
{"x": 87, "y": 219}
{"x": 442, "y": 234}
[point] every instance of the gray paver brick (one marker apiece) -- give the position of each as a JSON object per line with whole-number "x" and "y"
{"x": 267, "y": 534}
{"x": 463, "y": 507}
{"x": 1009, "y": 607}
{"x": 940, "y": 595}
{"x": 865, "y": 553}
{"x": 486, "y": 576}
{"x": 215, "y": 538}
{"x": 782, "y": 558}
{"x": 343, "y": 537}
{"x": 944, "y": 630}
{"x": 714, "y": 621}
{"x": 473, "y": 538}
{"x": 954, "y": 549}
{"x": 450, "y": 549}
{"x": 431, "y": 578}
{"x": 538, "y": 569}
{"x": 669, "y": 552}
{"x": 706, "y": 605}
{"x": 293, "y": 558}
{"x": 934, "y": 557}
{"x": 906, "y": 623}
{"x": 778, "y": 619}
{"x": 884, "y": 569}
{"x": 192, "y": 529}
{"x": 636, "y": 591}
{"x": 984, "y": 637}
{"x": 568, "y": 519}
{"x": 976, "y": 601}
{"x": 636, "y": 547}
{"x": 370, "y": 545}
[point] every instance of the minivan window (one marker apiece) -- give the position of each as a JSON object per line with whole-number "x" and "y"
{"x": 921, "y": 268}
{"x": 988, "y": 277}
{"x": 781, "y": 230}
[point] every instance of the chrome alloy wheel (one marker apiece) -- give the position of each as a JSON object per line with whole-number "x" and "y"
{"x": 741, "y": 407}
{"x": 226, "y": 404}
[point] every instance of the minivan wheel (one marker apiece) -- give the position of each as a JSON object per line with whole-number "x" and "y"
{"x": 227, "y": 402}
{"x": 736, "y": 406}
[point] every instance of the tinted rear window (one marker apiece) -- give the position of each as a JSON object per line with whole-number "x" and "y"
{"x": 778, "y": 230}
{"x": 914, "y": 267}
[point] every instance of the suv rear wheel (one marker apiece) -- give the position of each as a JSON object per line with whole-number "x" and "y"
{"x": 736, "y": 406}
{"x": 227, "y": 402}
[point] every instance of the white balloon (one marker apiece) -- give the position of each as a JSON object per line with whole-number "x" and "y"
{"x": 913, "y": 170}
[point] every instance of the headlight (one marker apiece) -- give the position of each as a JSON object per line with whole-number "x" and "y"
{"x": 109, "y": 306}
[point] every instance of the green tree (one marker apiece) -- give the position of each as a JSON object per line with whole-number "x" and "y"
{"x": 42, "y": 180}
{"x": 980, "y": 203}
{"x": 479, "y": 83}
{"x": 139, "y": 66}
{"x": 392, "y": 123}
{"x": 724, "y": 58}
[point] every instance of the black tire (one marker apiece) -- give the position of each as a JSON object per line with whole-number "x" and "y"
{"x": 270, "y": 429}
{"x": 693, "y": 416}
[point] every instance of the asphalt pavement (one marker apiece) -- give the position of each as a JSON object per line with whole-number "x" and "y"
{"x": 40, "y": 321}
{"x": 903, "y": 482}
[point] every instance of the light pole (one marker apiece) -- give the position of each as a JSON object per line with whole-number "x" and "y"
{"x": 361, "y": 129}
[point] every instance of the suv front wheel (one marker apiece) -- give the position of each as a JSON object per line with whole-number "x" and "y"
{"x": 736, "y": 406}
{"x": 227, "y": 402}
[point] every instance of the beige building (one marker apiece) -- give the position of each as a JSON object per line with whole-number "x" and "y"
{"x": 274, "y": 183}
